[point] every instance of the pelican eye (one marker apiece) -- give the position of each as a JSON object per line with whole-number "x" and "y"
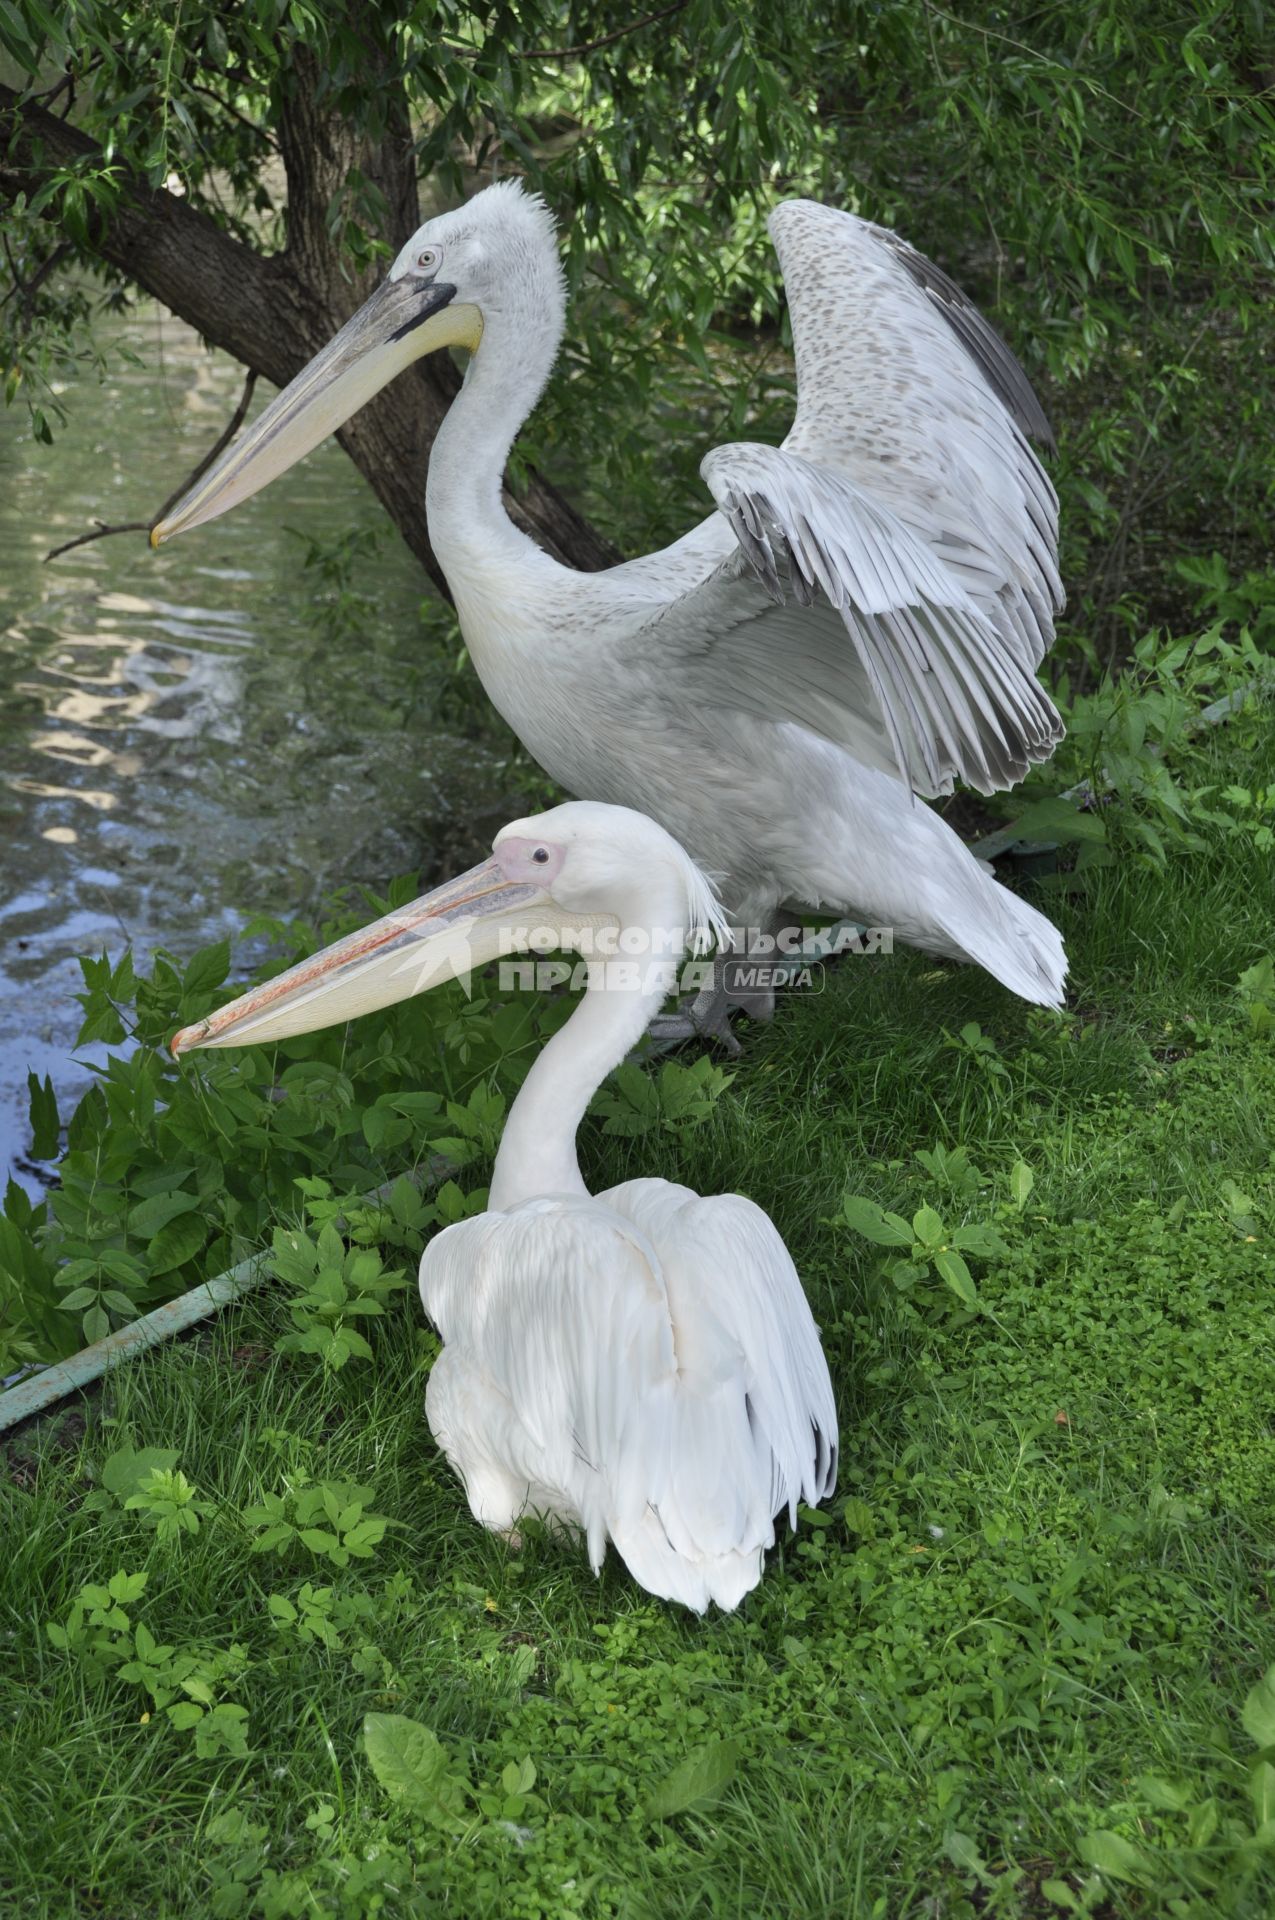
{"x": 429, "y": 258}
{"x": 540, "y": 856}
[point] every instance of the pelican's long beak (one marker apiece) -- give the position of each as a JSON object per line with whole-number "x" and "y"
{"x": 441, "y": 936}
{"x": 402, "y": 321}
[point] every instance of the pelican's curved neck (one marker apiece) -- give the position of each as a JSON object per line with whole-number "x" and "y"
{"x": 468, "y": 526}
{"x": 537, "y": 1155}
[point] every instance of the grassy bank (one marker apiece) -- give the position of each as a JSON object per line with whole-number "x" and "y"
{"x": 1003, "y": 1674}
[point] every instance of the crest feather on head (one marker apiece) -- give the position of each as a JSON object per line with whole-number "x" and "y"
{"x": 524, "y": 217}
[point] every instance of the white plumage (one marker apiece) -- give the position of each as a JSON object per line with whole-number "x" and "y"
{"x": 859, "y": 622}
{"x": 643, "y": 1364}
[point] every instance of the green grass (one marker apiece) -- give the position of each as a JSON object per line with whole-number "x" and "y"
{"x": 1032, "y": 1616}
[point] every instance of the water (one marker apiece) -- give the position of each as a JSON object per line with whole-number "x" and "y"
{"x": 181, "y": 744}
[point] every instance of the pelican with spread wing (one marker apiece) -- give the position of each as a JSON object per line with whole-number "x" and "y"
{"x": 641, "y": 1363}
{"x": 858, "y": 623}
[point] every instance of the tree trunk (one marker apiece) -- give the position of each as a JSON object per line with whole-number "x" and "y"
{"x": 273, "y": 312}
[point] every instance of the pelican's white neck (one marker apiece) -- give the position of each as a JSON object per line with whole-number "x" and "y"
{"x": 537, "y": 1155}
{"x": 468, "y": 525}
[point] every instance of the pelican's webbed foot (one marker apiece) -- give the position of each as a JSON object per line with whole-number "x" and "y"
{"x": 706, "y": 1015}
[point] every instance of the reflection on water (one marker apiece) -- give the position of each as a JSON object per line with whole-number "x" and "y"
{"x": 180, "y": 745}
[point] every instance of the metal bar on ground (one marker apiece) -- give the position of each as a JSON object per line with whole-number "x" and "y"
{"x": 43, "y": 1389}
{"x": 51, "y": 1384}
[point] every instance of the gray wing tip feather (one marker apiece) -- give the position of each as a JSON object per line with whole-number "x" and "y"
{"x": 994, "y": 360}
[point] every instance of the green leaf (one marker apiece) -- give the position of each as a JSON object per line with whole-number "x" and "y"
{"x": 223, "y": 1730}
{"x": 1168, "y": 1795}
{"x": 1258, "y": 1711}
{"x": 176, "y": 1243}
{"x": 1048, "y": 821}
{"x": 1258, "y": 982}
{"x": 1203, "y": 1824}
{"x": 702, "y": 1776}
{"x": 1021, "y": 1182}
{"x": 519, "y": 1776}
{"x": 147, "y": 1219}
{"x": 126, "y": 1587}
{"x": 927, "y": 1227}
{"x": 208, "y": 968}
{"x": 856, "y": 1516}
{"x": 124, "y": 1267}
{"x": 276, "y": 1536}
{"x": 355, "y": 1346}
{"x": 963, "y": 1852}
{"x": 874, "y": 1223}
{"x": 1116, "y": 1857}
{"x": 126, "y": 1470}
{"x": 984, "y": 1242}
{"x": 409, "y": 1762}
{"x": 215, "y": 41}
{"x": 952, "y": 1268}
{"x": 45, "y": 1125}
{"x": 522, "y": 1666}
{"x": 123, "y": 984}
{"x": 1261, "y": 1786}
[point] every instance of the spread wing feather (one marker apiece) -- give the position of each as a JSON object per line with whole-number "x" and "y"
{"x": 952, "y": 689}
{"x": 906, "y": 516}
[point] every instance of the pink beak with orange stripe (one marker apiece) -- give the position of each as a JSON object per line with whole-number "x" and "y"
{"x": 444, "y": 935}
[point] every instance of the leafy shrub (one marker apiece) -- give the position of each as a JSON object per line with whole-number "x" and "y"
{"x": 1130, "y": 779}
{"x": 634, "y": 1102}
{"x": 182, "y": 1682}
{"x": 331, "y": 1520}
{"x": 1256, "y": 988}
{"x": 171, "y": 1173}
{"x": 331, "y": 1288}
{"x": 933, "y": 1249}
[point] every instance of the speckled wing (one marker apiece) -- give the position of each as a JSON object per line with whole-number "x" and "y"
{"x": 896, "y": 575}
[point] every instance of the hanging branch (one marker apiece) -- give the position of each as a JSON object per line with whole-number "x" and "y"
{"x": 607, "y": 39}
{"x": 26, "y": 290}
{"x": 261, "y": 133}
{"x": 586, "y": 46}
{"x": 214, "y": 452}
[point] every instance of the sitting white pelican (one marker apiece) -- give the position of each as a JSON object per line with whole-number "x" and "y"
{"x": 858, "y": 622}
{"x": 641, "y": 1363}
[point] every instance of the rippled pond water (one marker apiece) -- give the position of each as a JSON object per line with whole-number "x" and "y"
{"x": 181, "y": 743}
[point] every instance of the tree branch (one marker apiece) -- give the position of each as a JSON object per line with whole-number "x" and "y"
{"x": 607, "y": 40}
{"x": 28, "y": 289}
{"x": 219, "y": 446}
{"x": 261, "y": 133}
{"x": 171, "y": 249}
{"x": 273, "y": 313}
